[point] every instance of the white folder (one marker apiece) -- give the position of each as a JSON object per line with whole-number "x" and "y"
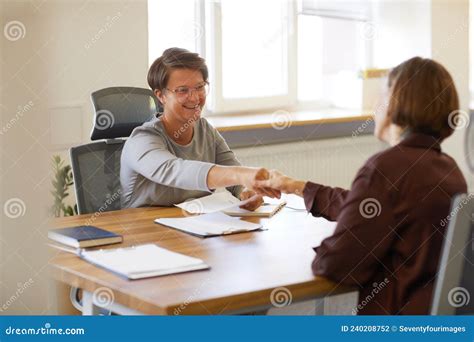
{"x": 207, "y": 225}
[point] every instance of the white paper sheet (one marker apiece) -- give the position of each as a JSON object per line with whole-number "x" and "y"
{"x": 209, "y": 224}
{"x": 218, "y": 201}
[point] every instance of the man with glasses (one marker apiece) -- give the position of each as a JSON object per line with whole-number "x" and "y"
{"x": 179, "y": 155}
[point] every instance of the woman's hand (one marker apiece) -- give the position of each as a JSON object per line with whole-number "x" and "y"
{"x": 256, "y": 202}
{"x": 278, "y": 181}
{"x": 221, "y": 176}
{"x": 250, "y": 178}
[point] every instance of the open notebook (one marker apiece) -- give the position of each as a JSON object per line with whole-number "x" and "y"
{"x": 142, "y": 261}
{"x": 207, "y": 225}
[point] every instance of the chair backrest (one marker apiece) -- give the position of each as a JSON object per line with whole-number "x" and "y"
{"x": 96, "y": 171}
{"x": 454, "y": 286}
{"x": 96, "y": 166}
{"x": 118, "y": 110}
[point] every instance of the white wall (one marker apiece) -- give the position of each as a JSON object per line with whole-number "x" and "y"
{"x": 96, "y": 45}
{"x": 401, "y": 29}
{"x": 450, "y": 46}
{"x": 69, "y": 49}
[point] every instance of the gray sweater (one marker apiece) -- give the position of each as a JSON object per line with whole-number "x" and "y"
{"x": 156, "y": 171}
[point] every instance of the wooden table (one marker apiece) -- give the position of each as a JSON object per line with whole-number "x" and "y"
{"x": 245, "y": 268}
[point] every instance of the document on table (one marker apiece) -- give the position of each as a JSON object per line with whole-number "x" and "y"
{"x": 219, "y": 201}
{"x": 142, "y": 261}
{"x": 212, "y": 224}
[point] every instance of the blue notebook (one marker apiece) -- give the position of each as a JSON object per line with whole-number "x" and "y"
{"x": 84, "y": 236}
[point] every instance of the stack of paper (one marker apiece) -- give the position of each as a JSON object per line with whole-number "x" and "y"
{"x": 206, "y": 225}
{"x": 142, "y": 261}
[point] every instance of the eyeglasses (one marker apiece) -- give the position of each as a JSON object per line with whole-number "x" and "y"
{"x": 183, "y": 93}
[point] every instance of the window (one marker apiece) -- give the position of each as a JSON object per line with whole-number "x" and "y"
{"x": 172, "y": 24}
{"x": 332, "y": 48}
{"x": 264, "y": 54}
{"x": 282, "y": 54}
{"x": 248, "y": 44}
{"x": 331, "y": 52}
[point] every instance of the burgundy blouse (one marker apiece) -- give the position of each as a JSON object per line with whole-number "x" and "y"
{"x": 390, "y": 226}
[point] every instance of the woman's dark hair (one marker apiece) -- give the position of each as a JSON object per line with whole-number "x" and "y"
{"x": 174, "y": 58}
{"x": 423, "y": 97}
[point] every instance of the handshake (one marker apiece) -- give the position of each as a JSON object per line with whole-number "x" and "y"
{"x": 257, "y": 182}
{"x": 270, "y": 183}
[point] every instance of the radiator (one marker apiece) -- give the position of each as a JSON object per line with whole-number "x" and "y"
{"x": 333, "y": 162}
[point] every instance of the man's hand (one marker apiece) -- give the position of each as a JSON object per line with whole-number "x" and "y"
{"x": 256, "y": 202}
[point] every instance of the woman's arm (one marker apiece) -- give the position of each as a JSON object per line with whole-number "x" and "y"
{"x": 320, "y": 200}
{"x": 224, "y": 176}
{"x": 324, "y": 201}
{"x": 148, "y": 156}
{"x": 364, "y": 233}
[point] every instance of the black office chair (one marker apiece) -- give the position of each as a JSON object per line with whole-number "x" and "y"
{"x": 96, "y": 166}
{"x": 454, "y": 287}
{"x": 96, "y": 171}
{"x": 118, "y": 110}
